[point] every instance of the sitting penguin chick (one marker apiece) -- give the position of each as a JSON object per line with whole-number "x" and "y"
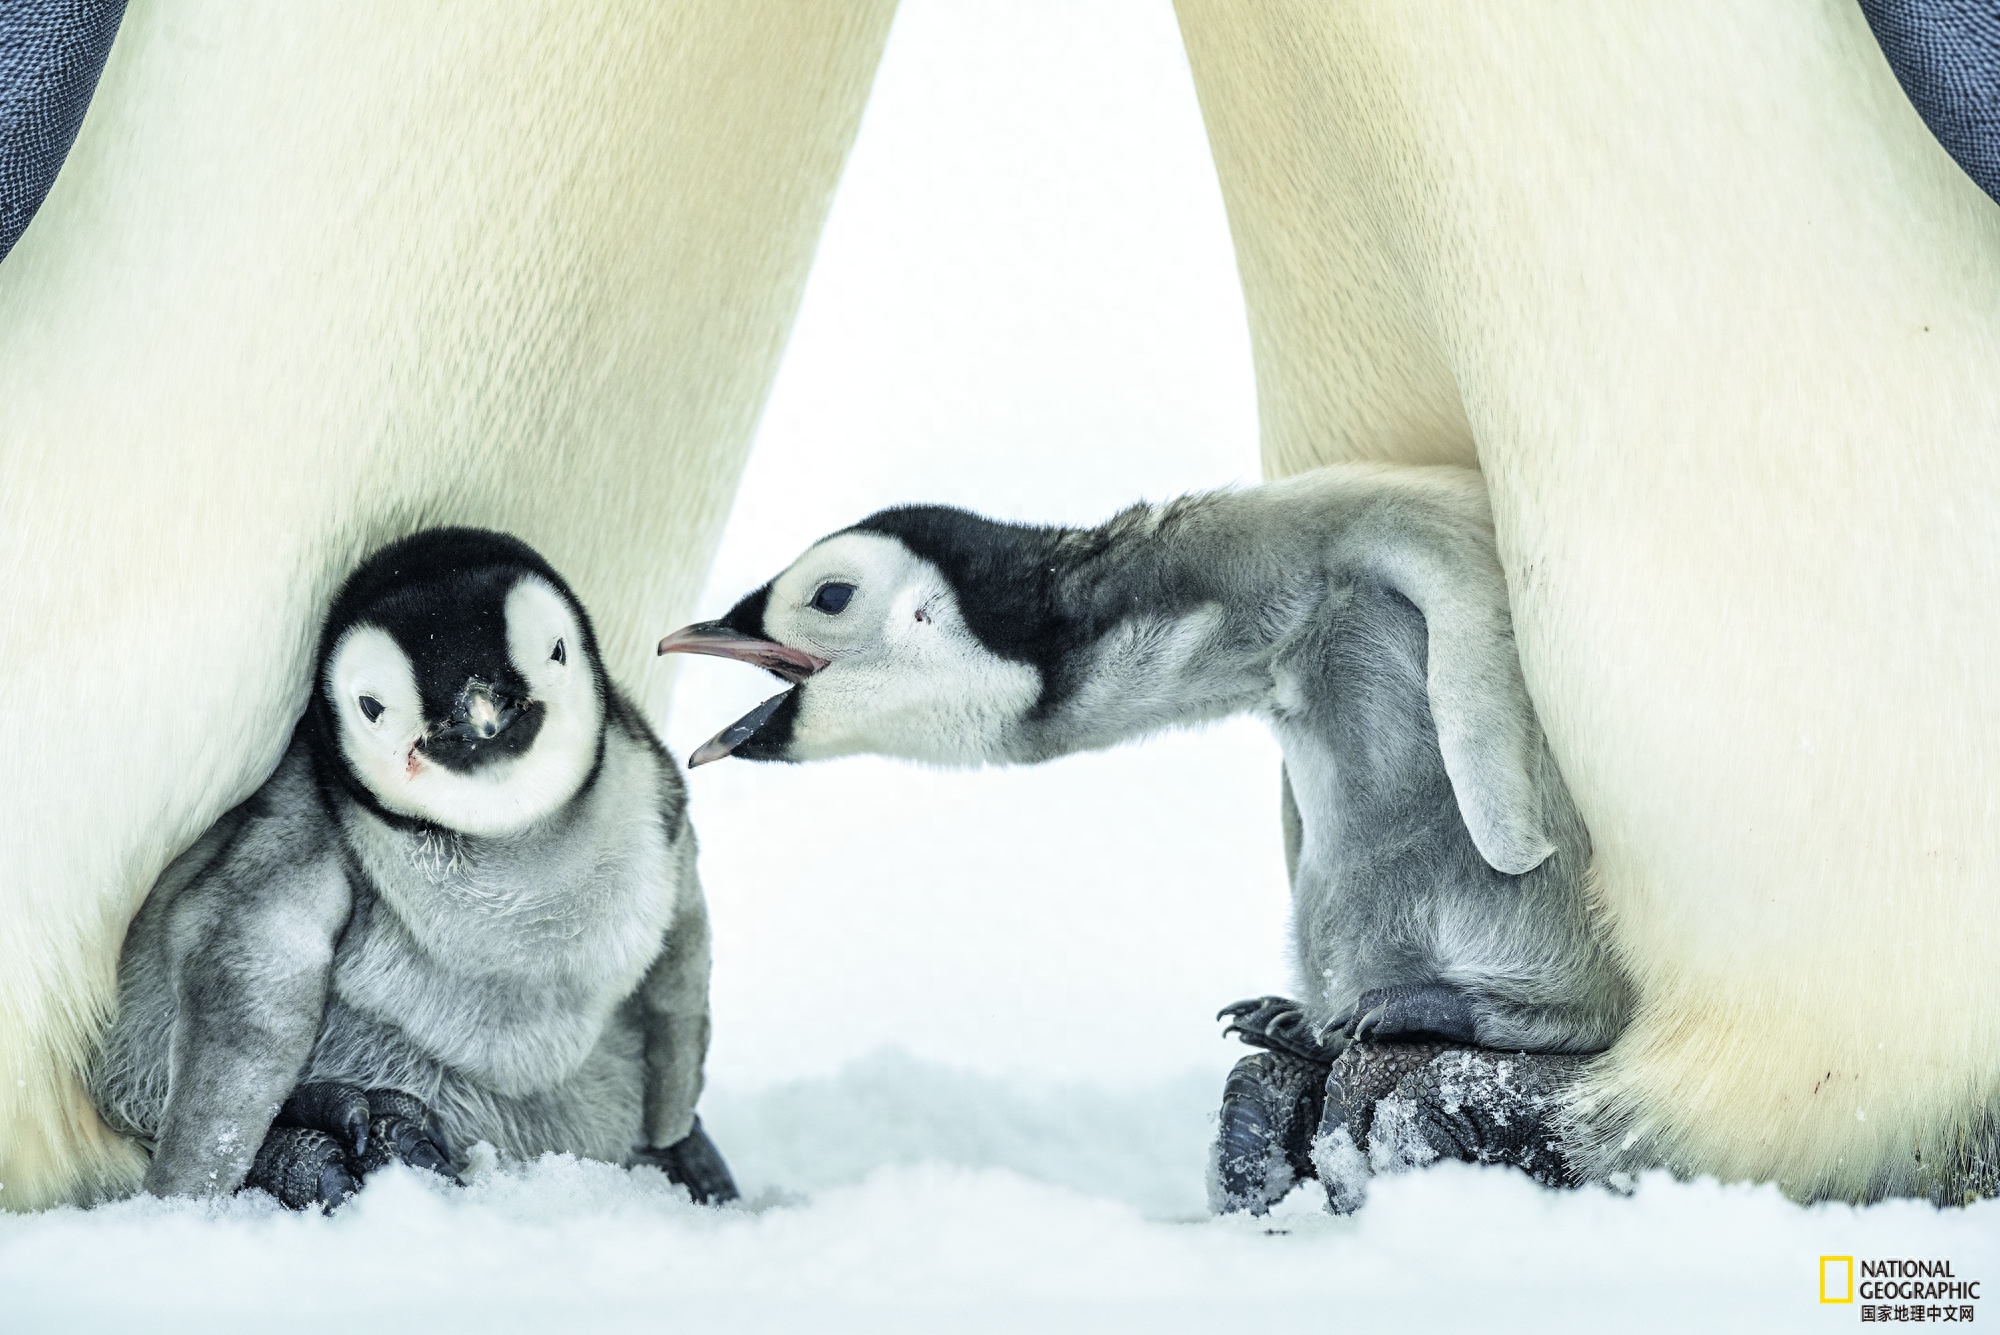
{"x": 464, "y": 907}
{"x": 1438, "y": 867}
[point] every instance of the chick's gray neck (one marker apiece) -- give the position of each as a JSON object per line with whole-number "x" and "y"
{"x": 1161, "y": 616}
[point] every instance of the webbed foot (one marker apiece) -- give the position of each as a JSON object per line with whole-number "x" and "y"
{"x": 329, "y": 1136}
{"x": 1427, "y": 1011}
{"x": 402, "y": 1130}
{"x": 1263, "y": 1143}
{"x": 302, "y": 1168}
{"x": 1277, "y": 1024}
{"x": 693, "y": 1162}
{"x": 1391, "y": 1107}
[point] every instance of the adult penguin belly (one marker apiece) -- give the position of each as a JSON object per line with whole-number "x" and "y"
{"x": 314, "y": 277}
{"x": 1720, "y": 322}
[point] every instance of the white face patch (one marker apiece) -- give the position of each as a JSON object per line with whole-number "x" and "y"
{"x": 368, "y": 674}
{"x": 905, "y": 676}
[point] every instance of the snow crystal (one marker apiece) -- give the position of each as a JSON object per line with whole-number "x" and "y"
{"x": 1396, "y": 1140}
{"x": 1343, "y": 1168}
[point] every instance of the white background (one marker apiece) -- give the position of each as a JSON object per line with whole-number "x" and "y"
{"x": 1025, "y": 303}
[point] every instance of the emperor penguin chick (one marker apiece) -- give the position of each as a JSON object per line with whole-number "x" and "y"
{"x": 464, "y": 907}
{"x": 1439, "y": 869}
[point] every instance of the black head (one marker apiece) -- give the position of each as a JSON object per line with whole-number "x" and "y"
{"x": 459, "y": 682}
{"x": 924, "y": 631}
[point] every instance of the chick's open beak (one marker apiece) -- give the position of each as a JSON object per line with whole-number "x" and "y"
{"x": 737, "y": 733}
{"x": 781, "y": 660}
{"x": 712, "y": 637}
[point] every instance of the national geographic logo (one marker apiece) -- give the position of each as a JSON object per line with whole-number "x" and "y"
{"x": 1899, "y": 1290}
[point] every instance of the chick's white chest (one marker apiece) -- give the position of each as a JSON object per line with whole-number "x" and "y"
{"x": 506, "y": 958}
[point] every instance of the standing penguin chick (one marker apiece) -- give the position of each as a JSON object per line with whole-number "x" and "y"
{"x": 463, "y": 907}
{"x": 1438, "y": 866}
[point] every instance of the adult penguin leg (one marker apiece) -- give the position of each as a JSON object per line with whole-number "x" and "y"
{"x": 305, "y": 284}
{"x": 1691, "y": 366}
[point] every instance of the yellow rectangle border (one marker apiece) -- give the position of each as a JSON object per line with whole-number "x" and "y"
{"x": 1849, "y": 1261}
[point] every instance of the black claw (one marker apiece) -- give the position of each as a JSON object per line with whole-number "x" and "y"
{"x": 1244, "y": 1150}
{"x": 395, "y": 1103}
{"x": 1257, "y": 1012}
{"x": 692, "y": 1162}
{"x": 1263, "y": 1145}
{"x": 404, "y": 1131}
{"x": 423, "y": 1154}
{"x": 339, "y": 1110}
{"x": 1277, "y": 1025}
{"x": 1412, "y": 1013}
{"x": 328, "y": 1137}
{"x": 1239, "y": 1009}
{"x": 302, "y": 1167}
{"x": 336, "y": 1184}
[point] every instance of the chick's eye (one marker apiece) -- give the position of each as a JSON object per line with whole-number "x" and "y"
{"x": 371, "y": 708}
{"x": 832, "y": 598}
{"x": 561, "y": 655}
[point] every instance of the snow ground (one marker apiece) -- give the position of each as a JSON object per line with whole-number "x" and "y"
{"x": 902, "y": 1196}
{"x": 964, "y": 1065}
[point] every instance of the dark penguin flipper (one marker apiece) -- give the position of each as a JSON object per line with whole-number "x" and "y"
{"x": 1277, "y": 1024}
{"x": 1431, "y": 1011}
{"x": 329, "y": 1137}
{"x": 51, "y": 53}
{"x": 693, "y": 1162}
{"x": 1263, "y": 1141}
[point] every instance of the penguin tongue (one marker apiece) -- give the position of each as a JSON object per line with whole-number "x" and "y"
{"x": 737, "y": 733}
